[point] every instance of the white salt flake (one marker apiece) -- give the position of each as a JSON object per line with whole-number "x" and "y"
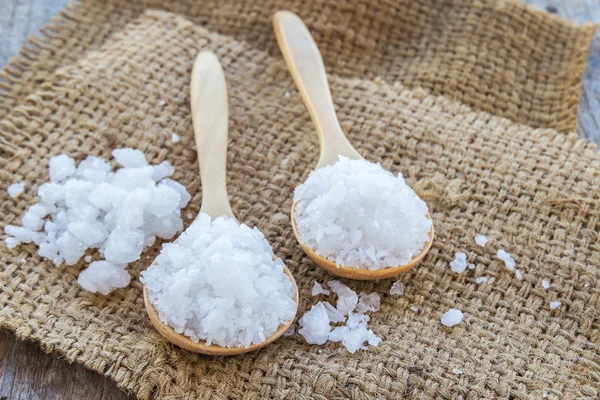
{"x": 162, "y": 102}
{"x": 220, "y": 282}
{"x": 190, "y": 215}
{"x": 459, "y": 264}
{"x": 175, "y": 138}
{"x": 545, "y": 284}
{"x": 162, "y": 170}
{"x": 544, "y": 394}
{"x": 16, "y": 189}
{"x": 507, "y": 258}
{"x": 130, "y": 158}
{"x": 519, "y": 274}
{"x": 586, "y": 285}
{"x": 347, "y": 298}
{"x": 87, "y": 259}
{"x": 290, "y": 331}
{"x": 333, "y": 313}
{"x": 481, "y": 240}
{"x": 452, "y": 317}
{"x": 355, "y": 333}
{"x": 287, "y": 94}
{"x": 471, "y": 266}
{"x": 317, "y": 289}
{"x": 315, "y": 325}
{"x": 456, "y": 371}
{"x": 397, "y": 289}
{"x": 555, "y": 304}
{"x": 103, "y": 277}
{"x": 414, "y": 309}
{"x": 368, "y": 303}
{"x": 481, "y": 279}
{"x": 61, "y": 167}
{"x": 356, "y": 214}
{"x": 12, "y": 242}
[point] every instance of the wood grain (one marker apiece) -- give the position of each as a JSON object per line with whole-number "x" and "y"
{"x": 26, "y": 372}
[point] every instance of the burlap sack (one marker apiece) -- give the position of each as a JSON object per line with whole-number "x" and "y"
{"x": 532, "y": 191}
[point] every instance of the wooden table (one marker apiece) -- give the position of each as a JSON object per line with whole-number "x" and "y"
{"x": 27, "y": 373}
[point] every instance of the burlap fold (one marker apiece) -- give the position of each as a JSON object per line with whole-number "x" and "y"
{"x": 532, "y": 191}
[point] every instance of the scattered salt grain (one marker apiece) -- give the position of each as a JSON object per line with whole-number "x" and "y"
{"x": 190, "y": 215}
{"x": 545, "y": 284}
{"x": 397, "y": 289}
{"x": 89, "y": 206}
{"x": 368, "y": 303}
{"x": 519, "y": 274}
{"x": 555, "y": 304}
{"x": 507, "y": 258}
{"x": 290, "y": 331}
{"x": 103, "y": 277}
{"x": 355, "y": 333}
{"x": 481, "y": 240}
{"x": 481, "y": 279}
{"x": 544, "y": 394}
{"x": 471, "y": 266}
{"x": 87, "y": 259}
{"x": 175, "y": 138}
{"x": 315, "y": 325}
{"x": 359, "y": 215}
{"x": 287, "y": 94}
{"x": 452, "y": 317}
{"x": 414, "y": 308}
{"x": 11, "y": 242}
{"x": 586, "y": 285}
{"x": 347, "y": 298}
{"x": 459, "y": 264}
{"x": 15, "y": 189}
{"x": 221, "y": 283}
{"x": 456, "y": 371}
{"x": 333, "y": 313}
{"x": 162, "y": 103}
{"x": 317, "y": 289}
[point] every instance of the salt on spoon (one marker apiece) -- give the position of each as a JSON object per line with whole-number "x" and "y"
{"x": 209, "y": 107}
{"x": 305, "y": 63}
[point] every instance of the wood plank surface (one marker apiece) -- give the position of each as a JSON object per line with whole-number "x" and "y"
{"x": 26, "y": 372}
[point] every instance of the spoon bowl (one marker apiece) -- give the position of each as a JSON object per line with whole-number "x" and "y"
{"x": 305, "y": 63}
{"x": 209, "y": 107}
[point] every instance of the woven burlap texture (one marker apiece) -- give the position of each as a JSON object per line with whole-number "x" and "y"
{"x": 532, "y": 191}
{"x": 496, "y": 56}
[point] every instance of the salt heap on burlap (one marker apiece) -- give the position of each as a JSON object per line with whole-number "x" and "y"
{"x": 89, "y": 206}
{"x": 358, "y": 215}
{"x": 221, "y": 283}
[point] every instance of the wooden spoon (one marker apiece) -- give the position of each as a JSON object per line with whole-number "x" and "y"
{"x": 209, "y": 106}
{"x": 305, "y": 63}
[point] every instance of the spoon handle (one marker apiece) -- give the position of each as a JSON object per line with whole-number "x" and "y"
{"x": 210, "y": 113}
{"x": 305, "y": 63}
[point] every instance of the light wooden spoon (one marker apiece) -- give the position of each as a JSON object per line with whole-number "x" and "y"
{"x": 209, "y": 106}
{"x": 305, "y": 63}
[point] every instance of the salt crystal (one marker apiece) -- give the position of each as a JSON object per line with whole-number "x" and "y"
{"x": 347, "y": 298}
{"x": 456, "y": 371}
{"x": 368, "y": 303}
{"x": 452, "y": 317}
{"x": 519, "y": 274}
{"x": 162, "y": 103}
{"x": 358, "y": 215}
{"x": 290, "y": 331}
{"x": 544, "y": 394}
{"x": 11, "y": 242}
{"x": 314, "y": 324}
{"x": 61, "y": 167}
{"x": 545, "y": 284}
{"x": 164, "y": 201}
{"x": 507, "y": 258}
{"x": 333, "y": 313}
{"x": 555, "y": 304}
{"x": 190, "y": 215}
{"x": 586, "y": 285}
{"x": 354, "y": 333}
{"x": 220, "y": 282}
{"x": 317, "y": 289}
{"x": 397, "y": 289}
{"x": 123, "y": 246}
{"x": 287, "y": 94}
{"x": 87, "y": 259}
{"x": 481, "y": 279}
{"x": 130, "y": 158}
{"x": 481, "y": 240}
{"x": 471, "y": 266}
{"x": 103, "y": 277}
{"x": 15, "y": 189}
{"x": 459, "y": 264}
{"x": 175, "y": 138}
{"x": 184, "y": 195}
{"x": 162, "y": 170}
{"x": 414, "y": 308}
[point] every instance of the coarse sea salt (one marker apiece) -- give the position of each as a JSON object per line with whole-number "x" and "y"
{"x": 358, "y": 215}
{"x": 456, "y": 371}
{"x": 481, "y": 240}
{"x": 555, "y": 304}
{"x": 459, "y": 264}
{"x": 452, "y": 317}
{"x": 480, "y": 279}
{"x": 220, "y": 282}
{"x": 545, "y": 284}
{"x": 15, "y": 189}
{"x": 507, "y": 258}
{"x": 175, "y": 138}
{"x": 91, "y": 207}
{"x": 519, "y": 274}
{"x": 397, "y": 289}
{"x": 317, "y": 289}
